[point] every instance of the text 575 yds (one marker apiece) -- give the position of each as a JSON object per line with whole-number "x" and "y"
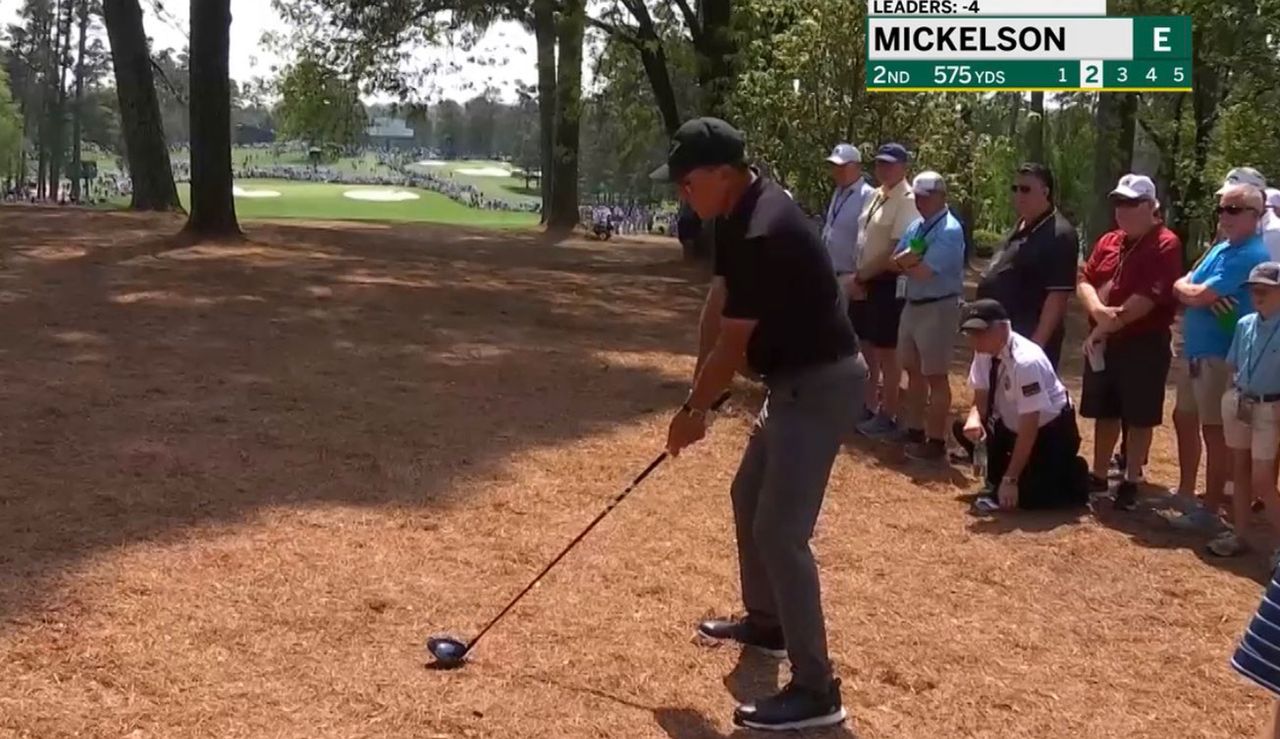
{"x": 943, "y": 74}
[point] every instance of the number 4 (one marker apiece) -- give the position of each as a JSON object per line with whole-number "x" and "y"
{"x": 972, "y": 7}
{"x": 1151, "y": 74}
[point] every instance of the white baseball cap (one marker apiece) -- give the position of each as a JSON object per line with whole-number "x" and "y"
{"x": 845, "y": 154}
{"x": 928, "y": 183}
{"x": 1273, "y": 197}
{"x": 1135, "y": 187}
{"x": 1243, "y": 176}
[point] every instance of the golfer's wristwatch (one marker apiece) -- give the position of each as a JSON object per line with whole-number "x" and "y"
{"x": 1009, "y": 480}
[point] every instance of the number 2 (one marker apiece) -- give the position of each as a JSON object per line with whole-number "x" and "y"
{"x": 972, "y": 7}
{"x": 1092, "y": 76}
{"x": 880, "y": 75}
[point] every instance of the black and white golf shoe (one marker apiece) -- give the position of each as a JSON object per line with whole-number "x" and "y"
{"x": 793, "y": 709}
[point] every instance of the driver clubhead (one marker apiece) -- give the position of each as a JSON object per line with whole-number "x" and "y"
{"x": 449, "y": 653}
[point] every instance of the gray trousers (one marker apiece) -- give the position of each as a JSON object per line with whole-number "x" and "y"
{"x": 777, "y": 495}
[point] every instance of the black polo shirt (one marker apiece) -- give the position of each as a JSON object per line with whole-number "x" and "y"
{"x": 777, "y": 272}
{"x": 1035, "y": 260}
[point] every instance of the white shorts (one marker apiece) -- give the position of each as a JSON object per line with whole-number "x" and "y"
{"x": 1260, "y": 435}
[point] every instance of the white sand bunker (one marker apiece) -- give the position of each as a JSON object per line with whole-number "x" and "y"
{"x": 241, "y": 192}
{"x": 431, "y": 163}
{"x": 381, "y": 196}
{"x": 485, "y": 172}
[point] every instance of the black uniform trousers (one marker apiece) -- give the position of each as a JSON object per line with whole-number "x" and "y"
{"x": 1055, "y": 476}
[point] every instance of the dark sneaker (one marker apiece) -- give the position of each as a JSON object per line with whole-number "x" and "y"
{"x": 746, "y": 633}
{"x": 1098, "y": 485}
{"x": 986, "y": 504}
{"x": 1126, "y": 496}
{"x": 932, "y": 450}
{"x": 793, "y": 709}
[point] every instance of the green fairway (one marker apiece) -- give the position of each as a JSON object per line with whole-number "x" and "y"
{"x": 324, "y": 201}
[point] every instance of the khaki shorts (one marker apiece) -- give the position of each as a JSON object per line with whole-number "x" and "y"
{"x": 1261, "y": 435}
{"x": 1201, "y": 395}
{"x": 927, "y": 334}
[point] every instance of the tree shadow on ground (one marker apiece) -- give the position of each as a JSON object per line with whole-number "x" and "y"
{"x": 152, "y": 386}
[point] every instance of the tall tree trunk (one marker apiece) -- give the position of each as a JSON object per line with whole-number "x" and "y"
{"x": 77, "y": 175}
{"x": 1115, "y": 121}
{"x": 59, "y": 128}
{"x": 564, "y": 184}
{"x": 544, "y": 30}
{"x": 1035, "y": 129}
{"x": 1015, "y": 107}
{"x": 653, "y": 57}
{"x": 213, "y": 208}
{"x": 145, "y": 145}
{"x": 715, "y": 50}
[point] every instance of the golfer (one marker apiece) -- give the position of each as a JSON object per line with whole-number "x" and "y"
{"x": 774, "y": 309}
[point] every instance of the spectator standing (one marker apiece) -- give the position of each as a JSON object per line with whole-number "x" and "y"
{"x": 1214, "y": 296}
{"x": 877, "y": 305}
{"x": 931, "y": 257}
{"x": 1251, "y": 410}
{"x": 1271, "y": 223}
{"x": 1034, "y": 272}
{"x": 1022, "y": 412}
{"x": 840, "y": 225}
{"x": 1126, "y": 287}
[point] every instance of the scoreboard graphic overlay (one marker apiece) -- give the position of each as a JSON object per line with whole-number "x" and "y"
{"x": 994, "y": 45}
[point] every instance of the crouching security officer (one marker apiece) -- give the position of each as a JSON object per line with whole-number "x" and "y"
{"x": 774, "y": 309}
{"x": 1022, "y": 410}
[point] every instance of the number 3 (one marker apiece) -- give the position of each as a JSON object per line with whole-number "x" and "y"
{"x": 1124, "y": 74}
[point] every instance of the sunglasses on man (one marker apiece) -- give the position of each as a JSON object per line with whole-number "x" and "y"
{"x": 1234, "y": 210}
{"x": 1023, "y": 189}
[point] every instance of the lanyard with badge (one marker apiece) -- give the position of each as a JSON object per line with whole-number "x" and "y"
{"x": 1244, "y": 407}
{"x": 836, "y": 208}
{"x": 901, "y": 287}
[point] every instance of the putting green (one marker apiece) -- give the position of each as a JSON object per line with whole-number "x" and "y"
{"x": 325, "y": 201}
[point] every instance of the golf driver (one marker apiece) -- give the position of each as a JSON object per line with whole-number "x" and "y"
{"x": 450, "y": 652}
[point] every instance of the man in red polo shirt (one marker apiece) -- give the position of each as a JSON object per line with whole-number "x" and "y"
{"x": 1127, "y": 288}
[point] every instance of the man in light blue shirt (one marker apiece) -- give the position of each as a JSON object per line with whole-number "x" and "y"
{"x": 930, "y": 257}
{"x": 840, "y": 226}
{"x": 1215, "y": 296}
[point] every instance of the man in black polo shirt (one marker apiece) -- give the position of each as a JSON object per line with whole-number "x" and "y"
{"x": 776, "y": 310}
{"x": 1034, "y": 273}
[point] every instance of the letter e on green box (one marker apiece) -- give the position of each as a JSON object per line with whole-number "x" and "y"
{"x": 1165, "y": 37}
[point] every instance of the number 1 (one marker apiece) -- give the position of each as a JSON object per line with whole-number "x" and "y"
{"x": 1062, "y": 75}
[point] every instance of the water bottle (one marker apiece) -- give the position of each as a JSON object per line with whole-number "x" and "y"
{"x": 980, "y": 459}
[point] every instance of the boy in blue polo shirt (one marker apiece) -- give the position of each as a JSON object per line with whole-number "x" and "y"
{"x": 1251, "y": 408}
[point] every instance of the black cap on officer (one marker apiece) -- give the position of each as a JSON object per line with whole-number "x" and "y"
{"x": 701, "y": 142}
{"x": 981, "y": 315}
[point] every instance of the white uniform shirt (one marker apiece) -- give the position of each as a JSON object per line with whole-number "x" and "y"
{"x": 1026, "y": 382}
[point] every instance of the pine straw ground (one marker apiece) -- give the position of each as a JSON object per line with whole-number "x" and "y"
{"x": 239, "y": 486}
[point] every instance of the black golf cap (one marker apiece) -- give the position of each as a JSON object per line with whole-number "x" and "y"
{"x": 896, "y": 153}
{"x": 701, "y": 142}
{"x": 981, "y": 315}
{"x": 1267, "y": 273}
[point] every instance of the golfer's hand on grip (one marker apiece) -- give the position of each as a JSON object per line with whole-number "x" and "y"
{"x": 689, "y": 428}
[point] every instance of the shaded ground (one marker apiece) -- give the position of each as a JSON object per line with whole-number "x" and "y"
{"x": 239, "y": 486}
